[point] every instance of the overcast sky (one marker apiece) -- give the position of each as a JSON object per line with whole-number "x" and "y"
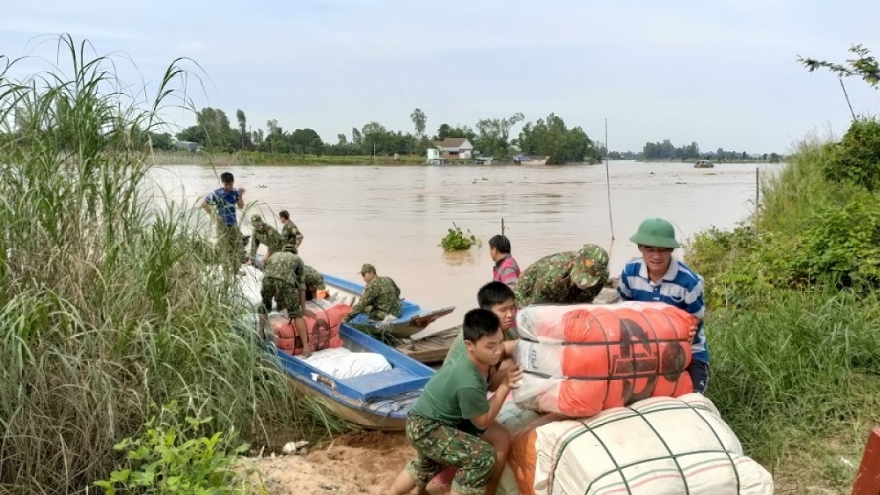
{"x": 722, "y": 73}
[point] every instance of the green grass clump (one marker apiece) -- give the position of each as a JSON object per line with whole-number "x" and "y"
{"x": 105, "y": 302}
{"x": 792, "y": 321}
{"x": 456, "y": 240}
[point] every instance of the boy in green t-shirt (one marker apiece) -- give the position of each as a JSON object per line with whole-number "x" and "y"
{"x": 452, "y": 423}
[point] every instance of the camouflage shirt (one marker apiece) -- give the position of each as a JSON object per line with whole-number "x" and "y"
{"x": 291, "y": 233}
{"x": 268, "y": 236}
{"x": 553, "y": 279}
{"x": 286, "y": 267}
{"x": 314, "y": 279}
{"x": 381, "y": 297}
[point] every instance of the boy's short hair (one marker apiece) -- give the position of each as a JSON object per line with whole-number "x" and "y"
{"x": 501, "y": 243}
{"x": 479, "y": 323}
{"x": 227, "y": 177}
{"x": 494, "y": 293}
{"x": 284, "y": 214}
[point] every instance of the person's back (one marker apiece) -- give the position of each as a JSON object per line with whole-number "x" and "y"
{"x": 285, "y": 266}
{"x": 569, "y": 277}
{"x": 505, "y": 270}
{"x": 386, "y": 295}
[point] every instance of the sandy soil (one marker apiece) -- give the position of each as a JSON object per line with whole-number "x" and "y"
{"x": 362, "y": 462}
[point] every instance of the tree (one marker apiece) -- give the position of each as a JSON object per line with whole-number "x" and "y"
{"x": 356, "y": 138}
{"x": 242, "y": 127}
{"x": 493, "y": 134}
{"x": 446, "y": 131}
{"x": 306, "y": 141}
{"x": 420, "y": 120}
{"x": 342, "y": 139}
{"x": 552, "y": 138}
{"x": 864, "y": 66}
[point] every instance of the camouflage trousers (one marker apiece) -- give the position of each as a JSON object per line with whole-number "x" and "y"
{"x": 286, "y": 295}
{"x": 229, "y": 242}
{"x": 439, "y": 445}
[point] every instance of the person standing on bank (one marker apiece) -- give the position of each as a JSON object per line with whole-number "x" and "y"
{"x": 658, "y": 276}
{"x": 224, "y": 201}
{"x": 505, "y": 270}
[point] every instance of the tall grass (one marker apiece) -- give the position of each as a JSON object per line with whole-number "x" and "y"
{"x": 795, "y": 354}
{"x": 104, "y": 306}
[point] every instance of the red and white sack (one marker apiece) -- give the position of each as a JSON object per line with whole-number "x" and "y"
{"x": 581, "y": 359}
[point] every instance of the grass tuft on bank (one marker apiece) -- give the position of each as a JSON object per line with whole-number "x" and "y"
{"x": 109, "y": 304}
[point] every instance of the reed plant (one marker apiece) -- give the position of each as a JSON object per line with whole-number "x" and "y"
{"x": 108, "y": 303}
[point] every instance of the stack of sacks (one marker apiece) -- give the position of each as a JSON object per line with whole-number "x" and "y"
{"x": 323, "y": 328}
{"x": 658, "y": 446}
{"x": 581, "y": 359}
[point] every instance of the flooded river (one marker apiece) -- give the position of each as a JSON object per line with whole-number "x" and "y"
{"x": 394, "y": 217}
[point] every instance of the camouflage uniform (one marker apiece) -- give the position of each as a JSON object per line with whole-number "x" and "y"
{"x": 282, "y": 279}
{"x": 291, "y": 233}
{"x": 381, "y": 298}
{"x": 268, "y": 236}
{"x": 439, "y": 445}
{"x": 564, "y": 278}
{"x": 314, "y": 279}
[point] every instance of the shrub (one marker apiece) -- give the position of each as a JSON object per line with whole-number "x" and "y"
{"x": 171, "y": 459}
{"x": 856, "y": 158}
{"x": 456, "y": 240}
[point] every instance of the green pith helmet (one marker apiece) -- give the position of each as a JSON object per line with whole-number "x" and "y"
{"x": 256, "y": 218}
{"x": 656, "y": 232}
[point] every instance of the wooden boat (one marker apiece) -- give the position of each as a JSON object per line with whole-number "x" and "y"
{"x": 377, "y": 401}
{"x": 414, "y": 319}
{"x": 432, "y": 349}
{"x": 525, "y": 160}
{"x": 704, "y": 164}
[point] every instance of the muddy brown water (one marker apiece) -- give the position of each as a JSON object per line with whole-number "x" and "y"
{"x": 395, "y": 217}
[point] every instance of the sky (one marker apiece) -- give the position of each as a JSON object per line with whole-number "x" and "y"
{"x": 722, "y": 73}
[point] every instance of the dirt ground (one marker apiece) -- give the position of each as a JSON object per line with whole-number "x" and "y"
{"x": 362, "y": 462}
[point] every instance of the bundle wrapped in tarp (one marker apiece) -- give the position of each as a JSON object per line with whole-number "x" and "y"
{"x": 658, "y": 446}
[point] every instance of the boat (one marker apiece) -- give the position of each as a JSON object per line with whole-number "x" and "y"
{"x": 484, "y": 160}
{"x": 377, "y": 401}
{"x": 430, "y": 350}
{"x": 704, "y": 164}
{"x": 526, "y": 160}
{"x": 414, "y": 319}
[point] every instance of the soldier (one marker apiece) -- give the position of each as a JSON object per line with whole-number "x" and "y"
{"x": 381, "y": 296}
{"x": 284, "y": 281}
{"x": 315, "y": 287}
{"x": 265, "y": 234}
{"x": 290, "y": 232}
{"x": 452, "y": 423}
{"x": 564, "y": 278}
{"x": 224, "y": 200}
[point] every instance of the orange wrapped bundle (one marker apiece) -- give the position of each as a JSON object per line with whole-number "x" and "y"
{"x": 323, "y": 328}
{"x": 581, "y": 359}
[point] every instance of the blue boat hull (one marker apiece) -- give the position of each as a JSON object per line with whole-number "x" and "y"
{"x": 374, "y": 401}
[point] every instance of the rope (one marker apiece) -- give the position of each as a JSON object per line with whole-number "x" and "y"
{"x": 678, "y": 405}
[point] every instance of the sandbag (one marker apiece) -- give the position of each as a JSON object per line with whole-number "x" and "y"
{"x": 323, "y": 328}
{"x": 514, "y": 419}
{"x": 658, "y": 446}
{"x": 248, "y": 283}
{"x": 341, "y": 363}
{"x": 581, "y": 359}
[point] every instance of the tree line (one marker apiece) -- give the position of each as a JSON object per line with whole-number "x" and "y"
{"x": 490, "y": 137}
{"x": 665, "y": 150}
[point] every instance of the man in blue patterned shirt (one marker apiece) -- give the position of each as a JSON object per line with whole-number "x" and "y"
{"x": 657, "y": 276}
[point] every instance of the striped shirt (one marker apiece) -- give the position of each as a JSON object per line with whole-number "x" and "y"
{"x": 679, "y": 287}
{"x": 506, "y": 271}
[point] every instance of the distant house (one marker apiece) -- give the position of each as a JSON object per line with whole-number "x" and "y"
{"x": 455, "y": 148}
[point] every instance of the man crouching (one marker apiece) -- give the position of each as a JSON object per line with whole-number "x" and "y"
{"x": 452, "y": 423}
